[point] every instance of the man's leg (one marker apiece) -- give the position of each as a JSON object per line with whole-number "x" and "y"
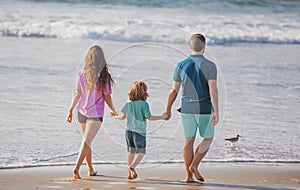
{"x": 201, "y": 151}
{"x": 188, "y": 155}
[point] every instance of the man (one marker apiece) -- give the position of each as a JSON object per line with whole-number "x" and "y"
{"x": 199, "y": 104}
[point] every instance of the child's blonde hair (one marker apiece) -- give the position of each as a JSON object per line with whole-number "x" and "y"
{"x": 138, "y": 91}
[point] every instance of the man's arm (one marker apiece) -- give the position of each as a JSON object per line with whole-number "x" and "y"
{"x": 213, "y": 90}
{"x": 172, "y": 97}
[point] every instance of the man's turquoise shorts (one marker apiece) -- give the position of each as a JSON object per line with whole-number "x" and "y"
{"x": 192, "y": 122}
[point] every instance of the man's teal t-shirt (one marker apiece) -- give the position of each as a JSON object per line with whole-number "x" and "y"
{"x": 137, "y": 113}
{"x": 194, "y": 73}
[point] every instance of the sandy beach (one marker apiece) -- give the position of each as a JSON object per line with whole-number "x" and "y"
{"x": 166, "y": 176}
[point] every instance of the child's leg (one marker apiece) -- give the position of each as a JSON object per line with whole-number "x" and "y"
{"x": 129, "y": 161}
{"x": 130, "y": 158}
{"x": 140, "y": 149}
{"x": 137, "y": 159}
{"x": 131, "y": 168}
{"x": 131, "y": 150}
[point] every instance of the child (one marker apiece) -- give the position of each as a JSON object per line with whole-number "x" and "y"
{"x": 93, "y": 88}
{"x": 136, "y": 111}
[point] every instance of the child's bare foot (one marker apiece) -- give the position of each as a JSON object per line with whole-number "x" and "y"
{"x": 129, "y": 174}
{"x": 196, "y": 173}
{"x": 133, "y": 173}
{"x": 189, "y": 180}
{"x": 76, "y": 174}
{"x": 92, "y": 173}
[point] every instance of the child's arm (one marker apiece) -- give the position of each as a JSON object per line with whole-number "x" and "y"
{"x": 75, "y": 100}
{"x": 164, "y": 116}
{"x": 120, "y": 117}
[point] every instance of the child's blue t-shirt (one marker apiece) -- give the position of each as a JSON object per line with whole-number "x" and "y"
{"x": 136, "y": 113}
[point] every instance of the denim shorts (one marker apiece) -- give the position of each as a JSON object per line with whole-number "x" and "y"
{"x": 136, "y": 143}
{"x": 193, "y": 122}
{"x": 82, "y": 118}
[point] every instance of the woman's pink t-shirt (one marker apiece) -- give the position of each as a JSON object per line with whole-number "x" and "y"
{"x": 91, "y": 102}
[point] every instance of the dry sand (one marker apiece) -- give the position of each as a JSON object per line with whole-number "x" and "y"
{"x": 164, "y": 176}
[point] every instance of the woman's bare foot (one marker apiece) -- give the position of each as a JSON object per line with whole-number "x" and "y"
{"x": 133, "y": 173}
{"x": 196, "y": 173}
{"x": 76, "y": 174}
{"x": 189, "y": 180}
{"x": 92, "y": 173}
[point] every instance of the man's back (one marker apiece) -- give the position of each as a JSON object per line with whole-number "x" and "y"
{"x": 193, "y": 73}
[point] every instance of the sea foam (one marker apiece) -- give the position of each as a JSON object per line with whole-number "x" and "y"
{"x": 141, "y": 24}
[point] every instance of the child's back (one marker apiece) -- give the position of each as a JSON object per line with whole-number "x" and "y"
{"x": 137, "y": 113}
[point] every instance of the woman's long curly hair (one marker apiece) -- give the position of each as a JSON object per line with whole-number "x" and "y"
{"x": 96, "y": 70}
{"x": 138, "y": 91}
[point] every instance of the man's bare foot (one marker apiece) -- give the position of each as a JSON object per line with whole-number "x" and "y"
{"x": 189, "y": 180}
{"x": 92, "y": 173}
{"x": 76, "y": 174}
{"x": 196, "y": 173}
{"x": 133, "y": 173}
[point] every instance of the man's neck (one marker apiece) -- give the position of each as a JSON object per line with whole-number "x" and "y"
{"x": 198, "y": 52}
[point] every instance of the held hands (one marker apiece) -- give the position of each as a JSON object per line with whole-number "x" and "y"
{"x": 166, "y": 116}
{"x": 112, "y": 114}
{"x": 116, "y": 116}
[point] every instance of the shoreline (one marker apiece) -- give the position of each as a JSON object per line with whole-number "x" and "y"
{"x": 165, "y": 176}
{"x": 154, "y": 163}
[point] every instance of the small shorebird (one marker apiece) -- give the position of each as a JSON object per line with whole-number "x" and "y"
{"x": 233, "y": 140}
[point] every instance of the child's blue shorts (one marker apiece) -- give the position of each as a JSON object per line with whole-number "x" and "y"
{"x": 136, "y": 143}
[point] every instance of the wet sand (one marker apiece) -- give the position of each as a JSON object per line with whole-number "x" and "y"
{"x": 164, "y": 176}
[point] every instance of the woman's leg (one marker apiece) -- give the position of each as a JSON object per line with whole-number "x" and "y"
{"x": 90, "y": 132}
{"x": 88, "y": 157}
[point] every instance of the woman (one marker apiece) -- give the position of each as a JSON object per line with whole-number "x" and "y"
{"x": 93, "y": 88}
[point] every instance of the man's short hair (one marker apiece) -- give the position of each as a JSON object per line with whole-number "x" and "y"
{"x": 197, "y": 42}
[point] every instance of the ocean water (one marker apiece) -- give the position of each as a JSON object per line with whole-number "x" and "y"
{"x": 255, "y": 45}
{"x": 254, "y": 21}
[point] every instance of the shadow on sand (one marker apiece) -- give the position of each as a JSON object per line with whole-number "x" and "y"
{"x": 195, "y": 185}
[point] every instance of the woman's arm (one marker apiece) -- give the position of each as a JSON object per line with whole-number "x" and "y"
{"x": 109, "y": 102}
{"x": 75, "y": 100}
